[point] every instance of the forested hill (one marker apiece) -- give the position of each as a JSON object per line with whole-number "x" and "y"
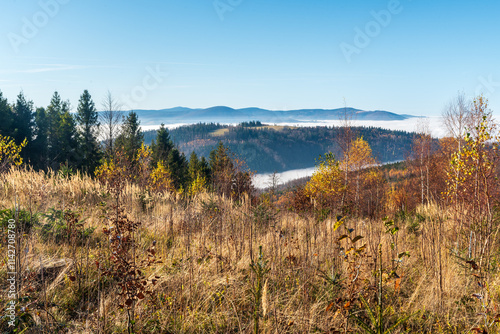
{"x": 277, "y": 148}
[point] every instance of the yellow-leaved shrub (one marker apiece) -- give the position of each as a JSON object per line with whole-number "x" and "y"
{"x": 10, "y": 153}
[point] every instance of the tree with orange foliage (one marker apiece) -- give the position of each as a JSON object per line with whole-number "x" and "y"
{"x": 439, "y": 164}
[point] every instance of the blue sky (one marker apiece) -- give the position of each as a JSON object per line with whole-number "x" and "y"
{"x": 242, "y": 53}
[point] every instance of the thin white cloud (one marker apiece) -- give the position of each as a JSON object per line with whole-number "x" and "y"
{"x": 180, "y": 63}
{"x": 64, "y": 59}
{"x": 180, "y": 86}
{"x": 43, "y": 68}
{"x": 51, "y": 68}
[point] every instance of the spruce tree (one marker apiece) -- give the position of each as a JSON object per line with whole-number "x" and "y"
{"x": 24, "y": 124}
{"x": 162, "y": 146}
{"x": 6, "y": 117}
{"x": 68, "y": 140}
{"x": 88, "y": 129}
{"x": 131, "y": 137}
{"x": 221, "y": 168}
{"x": 41, "y": 141}
{"x": 62, "y": 134}
{"x": 220, "y": 159}
{"x": 178, "y": 166}
{"x": 228, "y": 175}
{"x": 204, "y": 169}
{"x": 198, "y": 168}
{"x": 193, "y": 167}
{"x": 53, "y": 115}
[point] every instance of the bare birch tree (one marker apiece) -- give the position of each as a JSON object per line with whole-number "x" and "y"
{"x": 111, "y": 119}
{"x": 456, "y": 117}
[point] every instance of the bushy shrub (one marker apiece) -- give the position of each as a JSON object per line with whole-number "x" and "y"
{"x": 25, "y": 219}
{"x": 64, "y": 226}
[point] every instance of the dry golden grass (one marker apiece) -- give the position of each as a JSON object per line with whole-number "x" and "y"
{"x": 219, "y": 133}
{"x": 223, "y": 132}
{"x": 207, "y": 244}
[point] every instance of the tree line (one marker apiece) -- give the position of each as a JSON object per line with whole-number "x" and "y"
{"x": 88, "y": 141}
{"x": 53, "y": 135}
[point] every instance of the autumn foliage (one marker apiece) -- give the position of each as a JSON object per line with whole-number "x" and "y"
{"x": 326, "y": 187}
{"x": 362, "y": 191}
{"x": 410, "y": 247}
{"x": 10, "y": 153}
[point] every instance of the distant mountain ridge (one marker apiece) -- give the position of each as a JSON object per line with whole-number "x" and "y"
{"x": 223, "y": 114}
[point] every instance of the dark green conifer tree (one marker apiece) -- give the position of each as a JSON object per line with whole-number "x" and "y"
{"x": 88, "y": 128}
{"x": 198, "y": 167}
{"x": 161, "y": 146}
{"x": 131, "y": 137}
{"x": 6, "y": 117}
{"x": 68, "y": 140}
{"x": 193, "y": 167}
{"x": 24, "y": 124}
{"x": 178, "y": 166}
{"x": 204, "y": 169}
{"x": 221, "y": 169}
{"x": 228, "y": 175}
{"x": 53, "y": 114}
{"x": 41, "y": 141}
